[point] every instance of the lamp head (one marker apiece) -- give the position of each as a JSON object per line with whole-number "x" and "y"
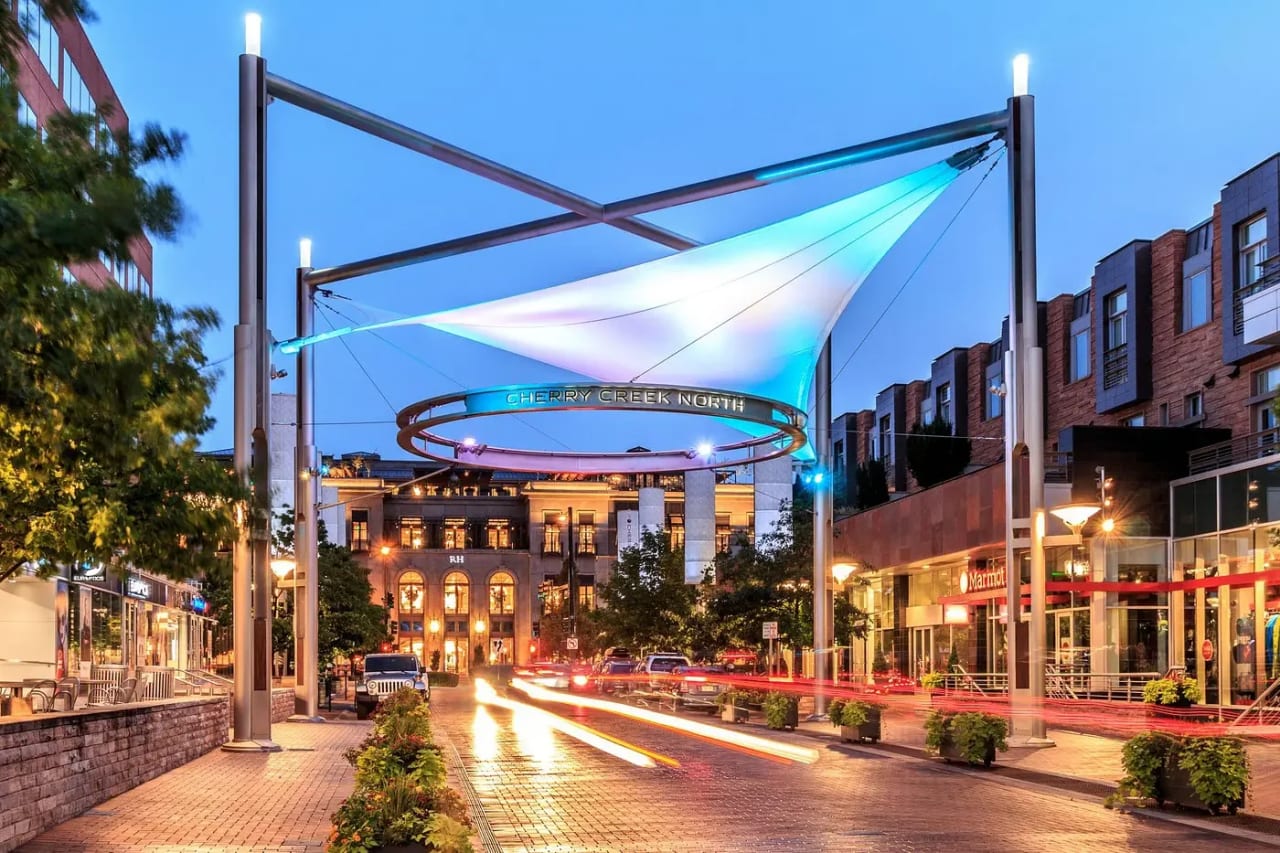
{"x": 1075, "y": 515}
{"x": 385, "y": 550}
{"x": 281, "y": 566}
{"x": 841, "y": 571}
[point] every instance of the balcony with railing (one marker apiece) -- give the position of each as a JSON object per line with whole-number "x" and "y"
{"x": 1115, "y": 366}
{"x": 1256, "y": 308}
{"x": 1258, "y": 445}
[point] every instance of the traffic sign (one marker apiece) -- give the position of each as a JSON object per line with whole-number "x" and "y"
{"x": 571, "y": 643}
{"x": 771, "y": 630}
{"x": 1206, "y": 650}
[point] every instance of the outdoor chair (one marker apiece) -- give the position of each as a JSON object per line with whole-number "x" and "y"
{"x": 68, "y": 690}
{"x": 41, "y": 695}
{"x": 124, "y": 693}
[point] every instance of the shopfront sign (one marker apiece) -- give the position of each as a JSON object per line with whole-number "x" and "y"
{"x": 982, "y": 580}
{"x": 90, "y": 573}
{"x": 136, "y": 587}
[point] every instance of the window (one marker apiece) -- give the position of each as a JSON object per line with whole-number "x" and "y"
{"x": 586, "y": 596}
{"x": 144, "y": 285}
{"x": 551, "y": 533}
{"x": 26, "y": 115}
{"x": 78, "y": 99}
{"x": 499, "y": 533}
{"x": 502, "y": 594}
{"x": 943, "y": 407}
{"x": 410, "y": 533}
{"x": 1252, "y": 241}
{"x": 995, "y": 399}
{"x": 1193, "y": 405}
{"x": 886, "y": 437}
{"x": 1164, "y": 414}
{"x": 456, "y": 594}
{"x": 1266, "y": 381}
{"x": 724, "y": 532}
{"x": 1080, "y": 305}
{"x": 359, "y": 530}
{"x": 586, "y": 522}
{"x": 41, "y": 34}
{"x": 675, "y": 528}
{"x": 410, "y": 597}
{"x": 1264, "y": 418}
{"x": 455, "y": 533}
{"x": 1136, "y": 421}
{"x": 1197, "y": 307}
{"x": 1081, "y": 361}
{"x": 751, "y": 529}
{"x": 1117, "y": 312}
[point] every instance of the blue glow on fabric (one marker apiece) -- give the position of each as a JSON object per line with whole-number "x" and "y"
{"x": 749, "y": 313}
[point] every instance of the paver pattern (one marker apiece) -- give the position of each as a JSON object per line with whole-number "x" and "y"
{"x": 544, "y": 792}
{"x": 226, "y": 802}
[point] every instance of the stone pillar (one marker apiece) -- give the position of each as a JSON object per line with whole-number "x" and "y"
{"x": 653, "y": 509}
{"x": 772, "y": 478}
{"x": 699, "y": 523}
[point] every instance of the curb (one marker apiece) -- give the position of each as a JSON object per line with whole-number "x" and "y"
{"x": 1267, "y": 829}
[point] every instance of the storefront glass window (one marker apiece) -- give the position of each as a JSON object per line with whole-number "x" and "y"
{"x": 1195, "y": 508}
{"x": 106, "y": 628}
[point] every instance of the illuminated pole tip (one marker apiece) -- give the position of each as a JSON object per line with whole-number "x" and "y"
{"x": 253, "y": 34}
{"x": 704, "y": 449}
{"x": 1021, "y": 65}
{"x": 304, "y": 253}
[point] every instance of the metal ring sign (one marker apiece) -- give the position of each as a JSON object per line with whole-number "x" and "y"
{"x": 417, "y": 422}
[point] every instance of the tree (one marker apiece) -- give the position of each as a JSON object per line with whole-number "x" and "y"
{"x": 646, "y": 604}
{"x": 872, "y": 483}
{"x": 934, "y": 454}
{"x": 103, "y": 393}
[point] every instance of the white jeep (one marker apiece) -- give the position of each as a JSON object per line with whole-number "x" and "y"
{"x": 384, "y": 674}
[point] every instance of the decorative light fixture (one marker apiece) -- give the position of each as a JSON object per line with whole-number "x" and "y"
{"x": 1108, "y": 525}
{"x": 281, "y": 566}
{"x": 304, "y": 253}
{"x": 253, "y": 34}
{"x": 1021, "y": 69}
{"x": 435, "y": 626}
{"x": 1075, "y": 516}
{"x": 479, "y": 626}
{"x": 841, "y": 571}
{"x": 385, "y": 550}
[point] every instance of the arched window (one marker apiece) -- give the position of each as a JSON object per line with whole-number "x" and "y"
{"x": 456, "y": 591}
{"x": 410, "y": 592}
{"x": 502, "y": 594}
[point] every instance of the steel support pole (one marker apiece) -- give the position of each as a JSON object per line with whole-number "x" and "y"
{"x": 1029, "y": 377}
{"x": 247, "y": 377}
{"x": 823, "y": 543}
{"x": 306, "y": 590}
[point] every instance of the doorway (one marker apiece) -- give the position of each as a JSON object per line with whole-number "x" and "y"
{"x": 921, "y": 650}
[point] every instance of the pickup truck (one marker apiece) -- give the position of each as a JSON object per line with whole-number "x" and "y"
{"x": 384, "y": 674}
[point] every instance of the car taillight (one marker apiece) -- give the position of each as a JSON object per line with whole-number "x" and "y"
{"x": 580, "y": 680}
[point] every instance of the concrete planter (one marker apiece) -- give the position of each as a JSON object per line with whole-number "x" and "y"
{"x": 1173, "y": 785}
{"x": 951, "y": 752}
{"x": 868, "y": 731}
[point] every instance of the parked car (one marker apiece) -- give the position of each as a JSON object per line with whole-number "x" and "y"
{"x": 384, "y": 674}
{"x": 657, "y": 669}
{"x": 580, "y": 677}
{"x": 612, "y": 676}
{"x": 698, "y": 687}
{"x": 549, "y": 674}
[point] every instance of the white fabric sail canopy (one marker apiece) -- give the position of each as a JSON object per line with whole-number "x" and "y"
{"x": 749, "y": 313}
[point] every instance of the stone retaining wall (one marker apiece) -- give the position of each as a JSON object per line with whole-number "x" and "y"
{"x": 53, "y": 767}
{"x": 281, "y": 704}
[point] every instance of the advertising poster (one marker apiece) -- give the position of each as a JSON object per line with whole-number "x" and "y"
{"x": 61, "y": 629}
{"x": 86, "y": 625}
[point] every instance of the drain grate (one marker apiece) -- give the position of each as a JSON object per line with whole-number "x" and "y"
{"x": 299, "y": 749}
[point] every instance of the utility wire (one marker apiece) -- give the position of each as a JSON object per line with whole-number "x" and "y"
{"x": 359, "y": 363}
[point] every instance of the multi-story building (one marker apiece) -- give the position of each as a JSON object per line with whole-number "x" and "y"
{"x": 1161, "y": 377}
{"x": 458, "y": 555}
{"x": 58, "y": 70}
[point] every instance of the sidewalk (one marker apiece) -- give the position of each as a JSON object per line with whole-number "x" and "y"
{"x": 226, "y": 801}
{"x": 1077, "y": 755}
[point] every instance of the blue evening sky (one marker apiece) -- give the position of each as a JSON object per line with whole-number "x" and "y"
{"x": 1144, "y": 110}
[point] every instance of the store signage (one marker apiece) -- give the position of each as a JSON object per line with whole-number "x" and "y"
{"x": 198, "y": 604}
{"x": 771, "y": 630}
{"x": 89, "y": 573}
{"x": 457, "y": 559}
{"x": 982, "y": 580}
{"x": 137, "y": 588}
{"x": 588, "y": 396}
{"x": 955, "y": 614}
{"x": 1206, "y": 650}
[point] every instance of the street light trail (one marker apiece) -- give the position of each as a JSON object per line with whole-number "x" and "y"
{"x": 632, "y": 754}
{"x": 763, "y": 747}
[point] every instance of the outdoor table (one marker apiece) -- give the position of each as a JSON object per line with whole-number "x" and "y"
{"x": 18, "y": 706}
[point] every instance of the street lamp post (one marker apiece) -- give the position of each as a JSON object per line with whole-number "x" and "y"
{"x": 435, "y": 629}
{"x": 480, "y": 626}
{"x": 841, "y": 573}
{"x": 571, "y": 567}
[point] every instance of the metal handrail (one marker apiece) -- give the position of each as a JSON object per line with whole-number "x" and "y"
{"x": 1266, "y": 708}
{"x": 1255, "y": 445}
{"x": 1059, "y": 684}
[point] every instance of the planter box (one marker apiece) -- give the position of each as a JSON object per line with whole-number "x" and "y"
{"x": 951, "y": 752}
{"x": 870, "y": 730}
{"x": 1174, "y": 786}
{"x": 792, "y": 718}
{"x": 734, "y": 714}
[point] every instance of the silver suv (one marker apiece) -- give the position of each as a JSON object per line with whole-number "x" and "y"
{"x": 384, "y": 674}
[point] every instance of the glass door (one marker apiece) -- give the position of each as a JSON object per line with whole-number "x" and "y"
{"x": 921, "y": 650}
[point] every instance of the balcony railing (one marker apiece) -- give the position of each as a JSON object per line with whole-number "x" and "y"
{"x": 1115, "y": 366}
{"x": 1057, "y": 467}
{"x": 1269, "y": 277}
{"x": 1257, "y": 445}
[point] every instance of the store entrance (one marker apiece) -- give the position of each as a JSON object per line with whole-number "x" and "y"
{"x": 921, "y": 650}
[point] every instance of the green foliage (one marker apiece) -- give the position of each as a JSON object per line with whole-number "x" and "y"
{"x": 953, "y": 660}
{"x": 872, "y": 484}
{"x": 972, "y": 733}
{"x": 932, "y": 680}
{"x": 646, "y": 603}
{"x": 777, "y": 707}
{"x": 1218, "y": 767}
{"x": 400, "y": 796}
{"x": 103, "y": 392}
{"x": 1143, "y": 759}
{"x": 850, "y": 713}
{"x": 934, "y": 454}
{"x": 1171, "y": 691}
{"x": 879, "y": 663}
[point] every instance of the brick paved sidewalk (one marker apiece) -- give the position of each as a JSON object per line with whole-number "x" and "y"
{"x": 1084, "y": 756}
{"x": 226, "y": 801}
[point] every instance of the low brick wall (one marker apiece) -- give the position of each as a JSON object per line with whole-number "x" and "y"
{"x": 281, "y": 704}
{"x": 54, "y": 767}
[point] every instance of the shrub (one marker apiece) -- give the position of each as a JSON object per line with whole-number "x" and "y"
{"x": 932, "y": 680}
{"x": 776, "y": 708}
{"x": 1218, "y": 767}
{"x": 1143, "y": 758}
{"x": 971, "y": 733}
{"x": 1171, "y": 691}
{"x": 850, "y": 712}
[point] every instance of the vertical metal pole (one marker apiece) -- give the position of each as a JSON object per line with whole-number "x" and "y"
{"x": 306, "y": 601}
{"x": 573, "y": 584}
{"x": 823, "y": 545}
{"x": 1029, "y": 360}
{"x": 247, "y": 375}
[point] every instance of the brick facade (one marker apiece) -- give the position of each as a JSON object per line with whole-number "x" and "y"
{"x": 987, "y": 434}
{"x": 53, "y": 767}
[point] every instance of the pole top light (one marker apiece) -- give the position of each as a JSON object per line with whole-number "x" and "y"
{"x": 841, "y": 571}
{"x": 304, "y": 253}
{"x": 253, "y": 34}
{"x": 1075, "y": 515}
{"x": 1021, "y": 65}
{"x": 281, "y": 566}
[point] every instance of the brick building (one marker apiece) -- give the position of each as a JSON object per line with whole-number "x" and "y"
{"x": 58, "y": 70}
{"x": 1163, "y": 372}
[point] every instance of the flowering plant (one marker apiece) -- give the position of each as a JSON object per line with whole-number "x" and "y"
{"x": 1171, "y": 691}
